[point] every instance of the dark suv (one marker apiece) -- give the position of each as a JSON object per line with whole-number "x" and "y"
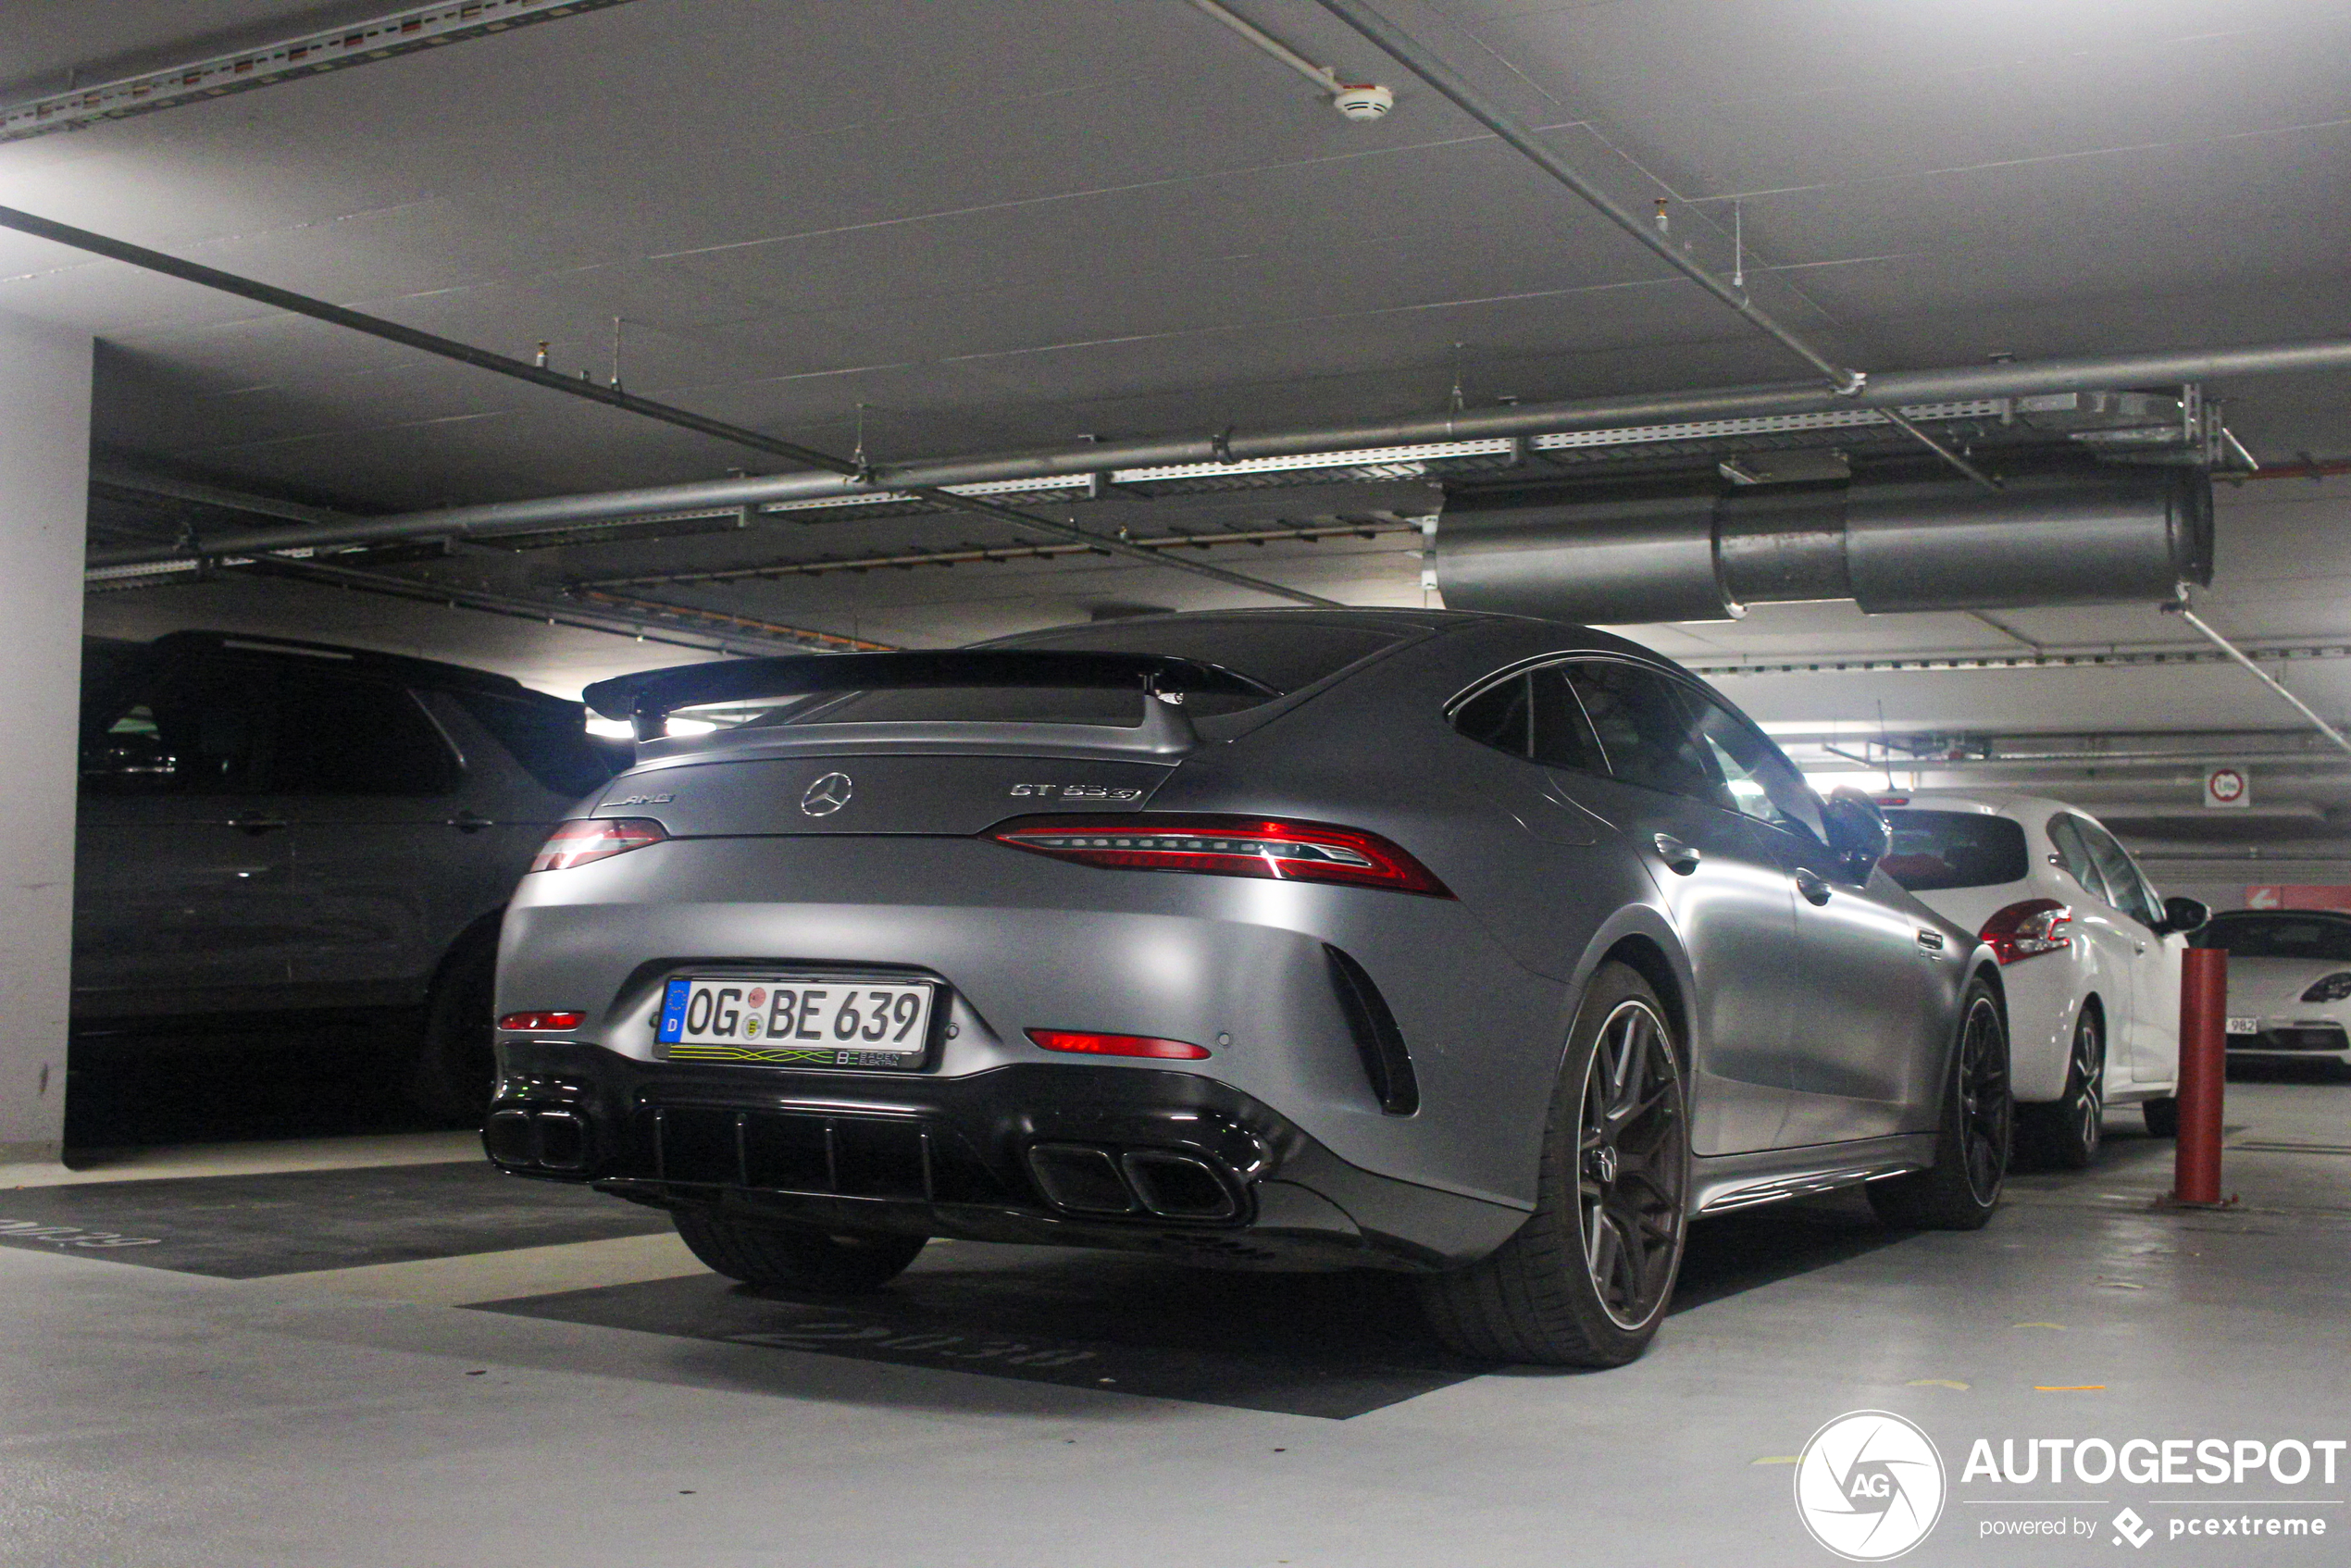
{"x": 270, "y": 827}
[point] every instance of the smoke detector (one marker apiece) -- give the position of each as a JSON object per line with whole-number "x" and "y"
{"x": 1363, "y": 100}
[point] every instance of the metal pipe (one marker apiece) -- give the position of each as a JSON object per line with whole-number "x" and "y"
{"x": 2264, "y": 676}
{"x": 538, "y": 376}
{"x": 1321, "y": 76}
{"x": 408, "y": 337}
{"x": 1433, "y": 70}
{"x": 1887, "y": 389}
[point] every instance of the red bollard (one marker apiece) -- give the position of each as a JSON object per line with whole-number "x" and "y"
{"x": 2204, "y": 1004}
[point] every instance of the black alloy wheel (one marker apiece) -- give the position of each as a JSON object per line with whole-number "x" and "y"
{"x": 1986, "y": 1110}
{"x": 1962, "y": 1187}
{"x": 1587, "y": 1280}
{"x": 2066, "y": 1132}
{"x": 1632, "y": 1164}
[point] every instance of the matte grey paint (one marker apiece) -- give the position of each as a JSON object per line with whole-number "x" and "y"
{"x": 1484, "y": 985}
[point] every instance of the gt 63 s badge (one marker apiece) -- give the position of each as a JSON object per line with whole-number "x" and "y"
{"x": 1076, "y": 792}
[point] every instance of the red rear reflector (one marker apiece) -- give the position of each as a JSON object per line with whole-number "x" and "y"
{"x": 1227, "y": 846}
{"x": 596, "y": 837}
{"x": 2024, "y": 930}
{"x": 1088, "y": 1044}
{"x": 542, "y": 1020}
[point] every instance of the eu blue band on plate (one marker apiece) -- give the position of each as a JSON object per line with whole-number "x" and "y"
{"x": 673, "y": 1012}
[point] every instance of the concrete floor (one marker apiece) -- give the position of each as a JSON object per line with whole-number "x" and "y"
{"x": 621, "y": 1407}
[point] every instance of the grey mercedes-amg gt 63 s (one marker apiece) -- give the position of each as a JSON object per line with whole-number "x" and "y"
{"x": 1479, "y": 947}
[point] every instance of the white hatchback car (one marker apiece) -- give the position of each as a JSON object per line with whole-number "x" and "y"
{"x": 2289, "y": 983}
{"x": 2090, "y": 954}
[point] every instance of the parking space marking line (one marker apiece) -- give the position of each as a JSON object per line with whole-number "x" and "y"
{"x": 494, "y": 1276}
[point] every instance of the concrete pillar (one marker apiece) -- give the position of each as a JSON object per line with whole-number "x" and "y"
{"x": 45, "y": 495}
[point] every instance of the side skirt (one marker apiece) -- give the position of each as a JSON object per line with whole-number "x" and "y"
{"x": 1724, "y": 1182}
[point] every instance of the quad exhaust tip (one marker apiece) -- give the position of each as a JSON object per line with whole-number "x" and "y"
{"x": 1085, "y": 1179}
{"x": 549, "y": 1140}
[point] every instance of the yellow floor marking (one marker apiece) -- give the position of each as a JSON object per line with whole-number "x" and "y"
{"x": 1936, "y": 1383}
{"x": 496, "y": 1277}
{"x": 2056, "y": 1325}
{"x": 1777, "y": 1458}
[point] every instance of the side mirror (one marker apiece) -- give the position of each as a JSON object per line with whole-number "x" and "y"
{"x": 2184, "y": 914}
{"x": 1856, "y": 828}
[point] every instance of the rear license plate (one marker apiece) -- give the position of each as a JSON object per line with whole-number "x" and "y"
{"x": 2243, "y": 1026}
{"x": 796, "y": 1021}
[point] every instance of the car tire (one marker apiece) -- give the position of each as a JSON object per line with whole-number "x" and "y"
{"x": 2065, "y": 1133}
{"x": 1568, "y": 1289}
{"x": 2162, "y": 1116}
{"x": 457, "y": 1060}
{"x": 1976, "y": 1132}
{"x": 779, "y": 1257}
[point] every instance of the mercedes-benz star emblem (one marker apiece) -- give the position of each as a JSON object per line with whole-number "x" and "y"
{"x": 826, "y": 796}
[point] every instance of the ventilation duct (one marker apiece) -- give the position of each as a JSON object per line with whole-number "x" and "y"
{"x": 1683, "y": 550}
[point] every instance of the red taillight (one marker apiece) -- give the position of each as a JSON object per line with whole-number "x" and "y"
{"x": 2024, "y": 930}
{"x": 596, "y": 837}
{"x": 1227, "y": 846}
{"x": 1086, "y": 1043}
{"x": 542, "y": 1020}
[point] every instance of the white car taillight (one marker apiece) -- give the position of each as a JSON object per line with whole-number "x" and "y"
{"x": 2028, "y": 929}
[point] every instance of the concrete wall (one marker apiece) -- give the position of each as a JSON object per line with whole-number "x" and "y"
{"x": 44, "y": 485}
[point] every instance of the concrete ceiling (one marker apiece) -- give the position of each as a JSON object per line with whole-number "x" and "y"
{"x": 998, "y": 225}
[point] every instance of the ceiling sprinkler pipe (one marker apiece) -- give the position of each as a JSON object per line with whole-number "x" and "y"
{"x": 1894, "y": 388}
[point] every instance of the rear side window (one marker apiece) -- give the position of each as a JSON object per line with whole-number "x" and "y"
{"x": 1646, "y": 730}
{"x": 199, "y": 730}
{"x": 2128, "y": 892}
{"x": 358, "y": 738}
{"x": 2074, "y": 854}
{"x": 1534, "y": 716}
{"x": 1934, "y": 850}
{"x": 2280, "y": 936}
{"x": 549, "y": 739}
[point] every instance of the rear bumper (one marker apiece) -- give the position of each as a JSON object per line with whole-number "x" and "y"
{"x": 1070, "y": 1154}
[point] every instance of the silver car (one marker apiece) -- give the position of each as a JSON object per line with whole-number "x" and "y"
{"x": 1479, "y": 947}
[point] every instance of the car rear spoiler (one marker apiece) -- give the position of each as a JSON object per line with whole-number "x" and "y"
{"x": 649, "y": 697}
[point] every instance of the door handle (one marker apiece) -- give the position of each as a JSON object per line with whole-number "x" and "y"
{"x": 2137, "y": 946}
{"x": 1678, "y": 855}
{"x": 257, "y": 825}
{"x": 467, "y": 822}
{"x": 1931, "y": 943}
{"x": 1812, "y": 885}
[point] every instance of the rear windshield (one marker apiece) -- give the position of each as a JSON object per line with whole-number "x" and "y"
{"x": 2280, "y": 936}
{"x": 1281, "y": 654}
{"x": 1933, "y": 850}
